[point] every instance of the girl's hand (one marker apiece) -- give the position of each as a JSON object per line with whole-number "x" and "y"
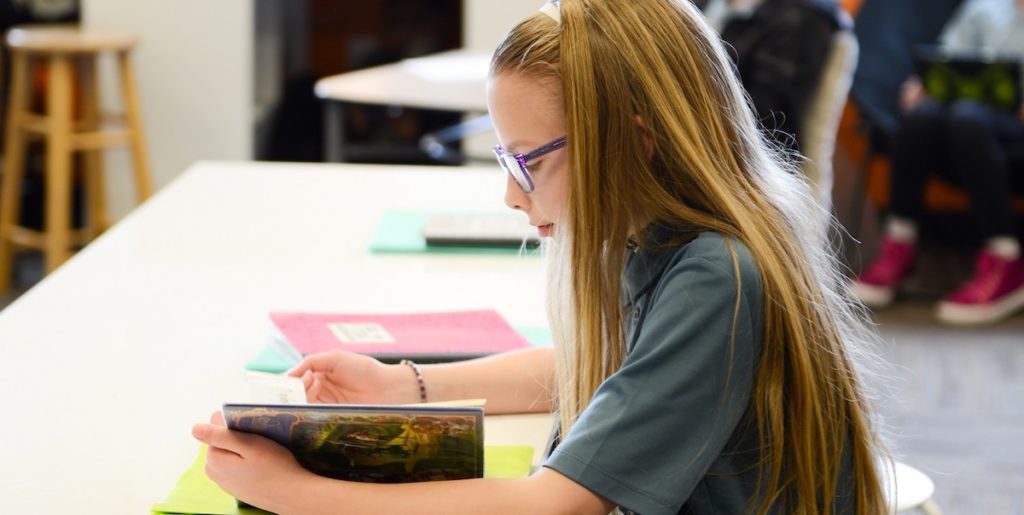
{"x": 346, "y": 378}
{"x": 911, "y": 94}
{"x": 252, "y": 468}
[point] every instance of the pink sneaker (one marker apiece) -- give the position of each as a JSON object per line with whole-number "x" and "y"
{"x": 877, "y": 285}
{"x": 995, "y": 292}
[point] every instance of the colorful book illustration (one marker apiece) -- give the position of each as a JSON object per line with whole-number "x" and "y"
{"x": 442, "y": 336}
{"x": 374, "y": 444}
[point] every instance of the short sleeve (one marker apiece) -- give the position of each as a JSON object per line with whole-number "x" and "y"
{"x": 655, "y": 427}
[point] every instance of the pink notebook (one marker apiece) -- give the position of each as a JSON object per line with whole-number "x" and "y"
{"x": 445, "y": 336}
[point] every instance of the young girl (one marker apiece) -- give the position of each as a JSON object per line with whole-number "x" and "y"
{"x": 702, "y": 360}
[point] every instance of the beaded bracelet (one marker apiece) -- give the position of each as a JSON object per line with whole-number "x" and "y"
{"x": 419, "y": 378}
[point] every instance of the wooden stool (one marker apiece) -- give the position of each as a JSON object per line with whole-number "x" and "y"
{"x": 61, "y": 49}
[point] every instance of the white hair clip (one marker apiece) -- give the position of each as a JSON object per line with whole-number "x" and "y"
{"x": 552, "y": 9}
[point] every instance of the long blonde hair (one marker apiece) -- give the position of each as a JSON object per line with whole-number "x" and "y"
{"x": 658, "y": 62}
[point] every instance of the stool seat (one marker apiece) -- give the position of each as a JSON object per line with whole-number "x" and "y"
{"x": 69, "y": 39}
{"x": 907, "y": 488}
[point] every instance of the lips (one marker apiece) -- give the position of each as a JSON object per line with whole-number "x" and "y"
{"x": 545, "y": 230}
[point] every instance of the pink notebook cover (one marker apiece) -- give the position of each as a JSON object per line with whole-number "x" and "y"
{"x": 454, "y": 334}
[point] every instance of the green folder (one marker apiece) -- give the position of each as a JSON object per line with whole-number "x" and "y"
{"x": 196, "y": 493}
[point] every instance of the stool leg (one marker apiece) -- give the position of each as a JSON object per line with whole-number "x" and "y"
{"x": 133, "y": 113}
{"x": 92, "y": 159}
{"x": 14, "y": 164}
{"x": 58, "y": 163}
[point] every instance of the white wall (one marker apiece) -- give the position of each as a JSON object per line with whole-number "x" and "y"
{"x": 196, "y": 76}
{"x": 486, "y": 21}
{"x": 195, "y": 73}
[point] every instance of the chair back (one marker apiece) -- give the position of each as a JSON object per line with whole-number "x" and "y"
{"x": 821, "y": 118}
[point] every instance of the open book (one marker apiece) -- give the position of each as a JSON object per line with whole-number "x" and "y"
{"x": 424, "y": 337}
{"x": 362, "y": 442}
{"x": 369, "y": 443}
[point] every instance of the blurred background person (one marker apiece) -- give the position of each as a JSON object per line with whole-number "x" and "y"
{"x": 966, "y": 142}
{"x": 780, "y": 48}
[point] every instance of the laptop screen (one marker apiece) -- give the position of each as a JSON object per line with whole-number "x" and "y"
{"x": 991, "y": 79}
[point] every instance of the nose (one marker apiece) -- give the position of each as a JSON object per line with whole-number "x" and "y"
{"x": 514, "y": 196}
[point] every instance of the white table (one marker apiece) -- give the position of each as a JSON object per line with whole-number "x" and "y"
{"x": 110, "y": 360}
{"x": 448, "y": 81}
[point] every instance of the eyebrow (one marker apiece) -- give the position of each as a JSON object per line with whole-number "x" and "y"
{"x": 515, "y": 146}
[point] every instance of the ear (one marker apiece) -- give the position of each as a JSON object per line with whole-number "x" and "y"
{"x": 645, "y": 133}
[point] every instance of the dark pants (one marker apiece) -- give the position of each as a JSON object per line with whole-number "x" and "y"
{"x": 968, "y": 144}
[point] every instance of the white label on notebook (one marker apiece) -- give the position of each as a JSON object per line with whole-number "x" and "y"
{"x": 361, "y": 333}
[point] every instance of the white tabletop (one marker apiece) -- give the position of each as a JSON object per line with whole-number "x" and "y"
{"x": 451, "y": 81}
{"x": 109, "y": 360}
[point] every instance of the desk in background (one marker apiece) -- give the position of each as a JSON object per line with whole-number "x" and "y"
{"x": 110, "y": 360}
{"x": 448, "y": 81}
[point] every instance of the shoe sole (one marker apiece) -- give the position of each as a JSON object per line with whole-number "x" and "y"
{"x": 961, "y": 314}
{"x": 873, "y": 296}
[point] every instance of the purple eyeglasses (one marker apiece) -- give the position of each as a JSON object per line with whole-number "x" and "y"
{"x": 515, "y": 164}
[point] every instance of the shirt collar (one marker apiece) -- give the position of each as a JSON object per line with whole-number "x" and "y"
{"x": 644, "y": 266}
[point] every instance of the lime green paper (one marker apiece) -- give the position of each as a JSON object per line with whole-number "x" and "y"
{"x": 196, "y": 493}
{"x": 401, "y": 232}
{"x": 507, "y": 461}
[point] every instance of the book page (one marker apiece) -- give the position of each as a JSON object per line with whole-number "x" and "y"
{"x": 274, "y": 388}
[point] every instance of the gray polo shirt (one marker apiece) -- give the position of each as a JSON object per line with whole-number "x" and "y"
{"x": 671, "y": 431}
